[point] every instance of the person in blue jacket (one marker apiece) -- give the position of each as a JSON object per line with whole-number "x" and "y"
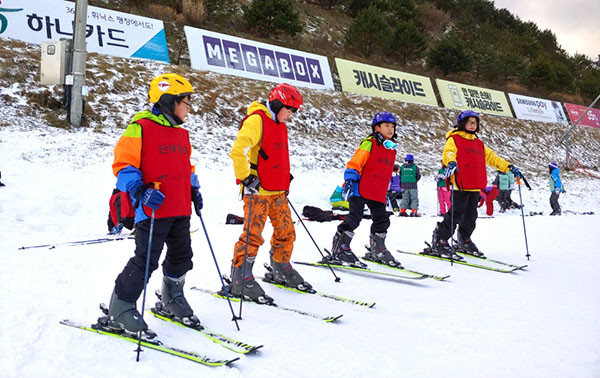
{"x": 556, "y": 187}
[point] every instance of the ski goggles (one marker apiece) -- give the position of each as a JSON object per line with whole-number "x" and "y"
{"x": 390, "y": 145}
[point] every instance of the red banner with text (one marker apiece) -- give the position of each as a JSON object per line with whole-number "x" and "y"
{"x": 592, "y": 117}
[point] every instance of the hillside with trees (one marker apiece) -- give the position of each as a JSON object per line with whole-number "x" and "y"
{"x": 469, "y": 41}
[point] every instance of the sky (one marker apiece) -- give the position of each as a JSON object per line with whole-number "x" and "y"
{"x": 575, "y": 23}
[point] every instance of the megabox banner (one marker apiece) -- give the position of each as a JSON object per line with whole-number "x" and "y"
{"x": 107, "y": 32}
{"x": 381, "y": 82}
{"x": 537, "y": 109}
{"x": 592, "y": 117}
{"x": 230, "y": 55}
{"x": 465, "y": 97}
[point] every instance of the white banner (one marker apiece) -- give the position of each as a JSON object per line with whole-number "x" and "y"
{"x": 229, "y": 55}
{"x": 107, "y": 32}
{"x": 537, "y": 109}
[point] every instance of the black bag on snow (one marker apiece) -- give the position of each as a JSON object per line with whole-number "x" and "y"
{"x": 315, "y": 214}
{"x": 234, "y": 219}
{"x": 121, "y": 210}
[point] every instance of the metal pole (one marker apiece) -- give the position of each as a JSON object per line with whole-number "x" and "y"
{"x": 565, "y": 138}
{"x": 79, "y": 56}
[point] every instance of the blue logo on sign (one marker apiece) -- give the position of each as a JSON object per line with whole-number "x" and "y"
{"x": 248, "y": 58}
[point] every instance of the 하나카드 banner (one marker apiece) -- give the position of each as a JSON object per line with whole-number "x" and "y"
{"x": 468, "y": 97}
{"x": 381, "y": 82}
{"x": 592, "y": 117}
{"x": 107, "y": 32}
{"x": 537, "y": 109}
{"x": 230, "y": 55}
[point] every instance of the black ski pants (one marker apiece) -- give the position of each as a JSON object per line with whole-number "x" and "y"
{"x": 554, "y": 202}
{"x": 381, "y": 219}
{"x": 175, "y": 232}
{"x": 464, "y": 210}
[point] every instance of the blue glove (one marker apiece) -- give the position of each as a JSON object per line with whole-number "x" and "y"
{"x": 451, "y": 169}
{"x": 153, "y": 198}
{"x": 252, "y": 183}
{"x": 515, "y": 171}
{"x": 347, "y": 189}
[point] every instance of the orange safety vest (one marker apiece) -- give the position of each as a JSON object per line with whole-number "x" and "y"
{"x": 166, "y": 159}
{"x": 377, "y": 173}
{"x": 470, "y": 157}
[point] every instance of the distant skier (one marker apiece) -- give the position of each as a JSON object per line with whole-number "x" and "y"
{"x": 394, "y": 189}
{"x": 152, "y": 163}
{"x": 465, "y": 157}
{"x": 556, "y": 187}
{"x": 261, "y": 163}
{"x": 505, "y": 181}
{"x": 442, "y": 191}
{"x": 487, "y": 197}
{"x": 409, "y": 176}
{"x": 367, "y": 177}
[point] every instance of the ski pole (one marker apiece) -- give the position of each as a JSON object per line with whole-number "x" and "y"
{"x": 199, "y": 213}
{"x": 139, "y": 348}
{"x": 245, "y": 252}
{"x": 523, "y": 216}
{"x": 452, "y": 220}
{"x": 337, "y": 279}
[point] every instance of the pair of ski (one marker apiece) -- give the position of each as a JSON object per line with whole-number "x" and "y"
{"x": 154, "y": 343}
{"x": 500, "y": 266}
{"x": 411, "y": 274}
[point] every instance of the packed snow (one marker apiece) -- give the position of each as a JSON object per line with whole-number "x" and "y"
{"x": 543, "y": 321}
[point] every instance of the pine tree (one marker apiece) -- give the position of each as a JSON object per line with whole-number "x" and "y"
{"x": 450, "y": 54}
{"x": 272, "y": 16}
{"x": 408, "y": 42}
{"x": 369, "y": 33}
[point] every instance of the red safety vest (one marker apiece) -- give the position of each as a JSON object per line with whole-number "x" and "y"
{"x": 273, "y": 165}
{"x": 470, "y": 157}
{"x": 377, "y": 173}
{"x": 166, "y": 159}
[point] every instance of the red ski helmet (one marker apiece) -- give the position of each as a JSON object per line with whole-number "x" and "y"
{"x": 287, "y": 94}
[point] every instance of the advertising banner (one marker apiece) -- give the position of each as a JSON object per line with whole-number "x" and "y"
{"x": 465, "y": 97}
{"x": 592, "y": 117}
{"x": 229, "y": 55}
{"x": 107, "y": 32}
{"x": 537, "y": 109}
{"x": 381, "y": 82}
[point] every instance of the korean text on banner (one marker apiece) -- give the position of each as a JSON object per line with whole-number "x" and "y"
{"x": 230, "y": 55}
{"x": 381, "y": 82}
{"x": 107, "y": 32}
{"x": 592, "y": 117}
{"x": 537, "y": 109}
{"x": 464, "y": 97}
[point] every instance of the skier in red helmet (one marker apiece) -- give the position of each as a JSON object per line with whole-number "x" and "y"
{"x": 261, "y": 164}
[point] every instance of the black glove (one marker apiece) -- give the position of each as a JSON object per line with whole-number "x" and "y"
{"x": 252, "y": 183}
{"x": 197, "y": 200}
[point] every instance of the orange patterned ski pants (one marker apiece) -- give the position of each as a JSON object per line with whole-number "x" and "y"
{"x": 282, "y": 241}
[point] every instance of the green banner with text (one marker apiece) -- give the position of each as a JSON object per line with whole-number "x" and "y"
{"x": 381, "y": 82}
{"x": 468, "y": 97}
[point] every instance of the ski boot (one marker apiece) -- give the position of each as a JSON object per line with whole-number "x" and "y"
{"x": 378, "y": 251}
{"x": 440, "y": 247}
{"x": 284, "y": 274}
{"x": 341, "y": 254}
{"x": 242, "y": 280}
{"x": 466, "y": 246}
{"x": 172, "y": 302}
{"x": 124, "y": 317}
{"x": 402, "y": 213}
{"x": 556, "y": 212}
